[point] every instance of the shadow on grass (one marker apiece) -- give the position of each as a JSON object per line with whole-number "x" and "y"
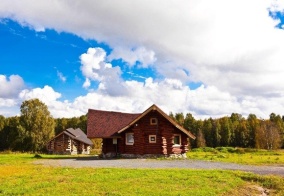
{"x": 57, "y": 157}
{"x": 76, "y": 157}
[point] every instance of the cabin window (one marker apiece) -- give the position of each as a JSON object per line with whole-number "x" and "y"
{"x": 152, "y": 138}
{"x": 177, "y": 139}
{"x": 153, "y": 121}
{"x": 129, "y": 140}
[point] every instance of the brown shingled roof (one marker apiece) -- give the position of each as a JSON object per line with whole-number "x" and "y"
{"x": 102, "y": 124}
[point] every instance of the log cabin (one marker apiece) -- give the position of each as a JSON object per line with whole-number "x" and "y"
{"x": 134, "y": 135}
{"x": 71, "y": 141}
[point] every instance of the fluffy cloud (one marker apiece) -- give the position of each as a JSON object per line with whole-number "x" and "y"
{"x": 210, "y": 40}
{"x": 94, "y": 67}
{"x": 50, "y": 97}
{"x": 141, "y": 55}
{"x": 232, "y": 47}
{"x": 45, "y": 94}
{"x": 170, "y": 94}
{"x": 10, "y": 87}
{"x": 173, "y": 96}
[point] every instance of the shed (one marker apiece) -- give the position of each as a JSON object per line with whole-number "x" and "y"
{"x": 70, "y": 141}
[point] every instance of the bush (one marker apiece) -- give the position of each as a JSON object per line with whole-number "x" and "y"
{"x": 37, "y": 156}
{"x": 240, "y": 150}
{"x": 222, "y": 149}
{"x": 231, "y": 149}
{"x": 226, "y": 149}
{"x": 203, "y": 149}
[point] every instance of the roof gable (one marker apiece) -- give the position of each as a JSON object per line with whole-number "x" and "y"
{"x": 156, "y": 108}
{"x": 102, "y": 124}
{"x": 76, "y": 134}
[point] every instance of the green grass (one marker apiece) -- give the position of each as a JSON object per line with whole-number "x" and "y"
{"x": 19, "y": 176}
{"x": 239, "y": 155}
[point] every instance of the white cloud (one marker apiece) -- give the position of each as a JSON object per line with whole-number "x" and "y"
{"x": 232, "y": 47}
{"x": 45, "y": 94}
{"x": 87, "y": 83}
{"x": 61, "y": 76}
{"x": 140, "y": 55}
{"x": 51, "y": 98}
{"x": 10, "y": 87}
{"x": 7, "y": 102}
{"x": 225, "y": 40}
{"x": 9, "y": 107}
{"x": 94, "y": 67}
{"x": 169, "y": 94}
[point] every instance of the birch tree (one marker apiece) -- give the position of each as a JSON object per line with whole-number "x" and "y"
{"x": 36, "y": 124}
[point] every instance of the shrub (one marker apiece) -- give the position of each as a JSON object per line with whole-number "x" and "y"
{"x": 226, "y": 149}
{"x": 222, "y": 149}
{"x": 231, "y": 149}
{"x": 240, "y": 150}
{"x": 196, "y": 150}
{"x": 37, "y": 156}
{"x": 208, "y": 149}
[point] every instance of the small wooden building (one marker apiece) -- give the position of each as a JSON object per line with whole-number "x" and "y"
{"x": 149, "y": 133}
{"x": 71, "y": 141}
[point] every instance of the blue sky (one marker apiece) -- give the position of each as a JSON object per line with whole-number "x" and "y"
{"x": 184, "y": 56}
{"x": 52, "y": 58}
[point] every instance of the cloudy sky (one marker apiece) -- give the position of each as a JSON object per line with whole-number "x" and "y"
{"x": 208, "y": 58}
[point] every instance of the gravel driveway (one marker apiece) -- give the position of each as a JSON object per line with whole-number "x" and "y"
{"x": 152, "y": 163}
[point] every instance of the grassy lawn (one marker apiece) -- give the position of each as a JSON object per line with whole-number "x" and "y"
{"x": 238, "y": 155}
{"x": 19, "y": 176}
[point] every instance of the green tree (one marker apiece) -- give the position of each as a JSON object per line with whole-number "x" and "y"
{"x": 253, "y": 126}
{"x": 243, "y": 134}
{"x": 36, "y": 124}
{"x": 216, "y": 133}
{"x": 83, "y": 123}
{"x": 189, "y": 122}
{"x": 208, "y": 132}
{"x": 61, "y": 125}
{"x": 2, "y": 133}
{"x": 200, "y": 140}
{"x": 225, "y": 131}
{"x": 179, "y": 117}
{"x": 235, "y": 122}
{"x": 9, "y": 137}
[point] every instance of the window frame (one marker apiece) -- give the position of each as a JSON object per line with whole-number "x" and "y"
{"x": 177, "y": 144}
{"x": 152, "y": 141}
{"x": 127, "y": 142}
{"x": 153, "y": 121}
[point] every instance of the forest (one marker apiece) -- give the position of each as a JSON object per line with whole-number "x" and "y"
{"x": 35, "y": 126}
{"x": 235, "y": 131}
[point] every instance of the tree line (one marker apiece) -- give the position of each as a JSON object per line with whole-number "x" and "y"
{"x": 235, "y": 131}
{"x": 35, "y": 126}
{"x": 30, "y": 131}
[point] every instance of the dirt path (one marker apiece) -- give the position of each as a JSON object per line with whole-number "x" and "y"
{"x": 152, "y": 163}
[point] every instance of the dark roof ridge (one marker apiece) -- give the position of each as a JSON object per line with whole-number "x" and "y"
{"x": 114, "y": 111}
